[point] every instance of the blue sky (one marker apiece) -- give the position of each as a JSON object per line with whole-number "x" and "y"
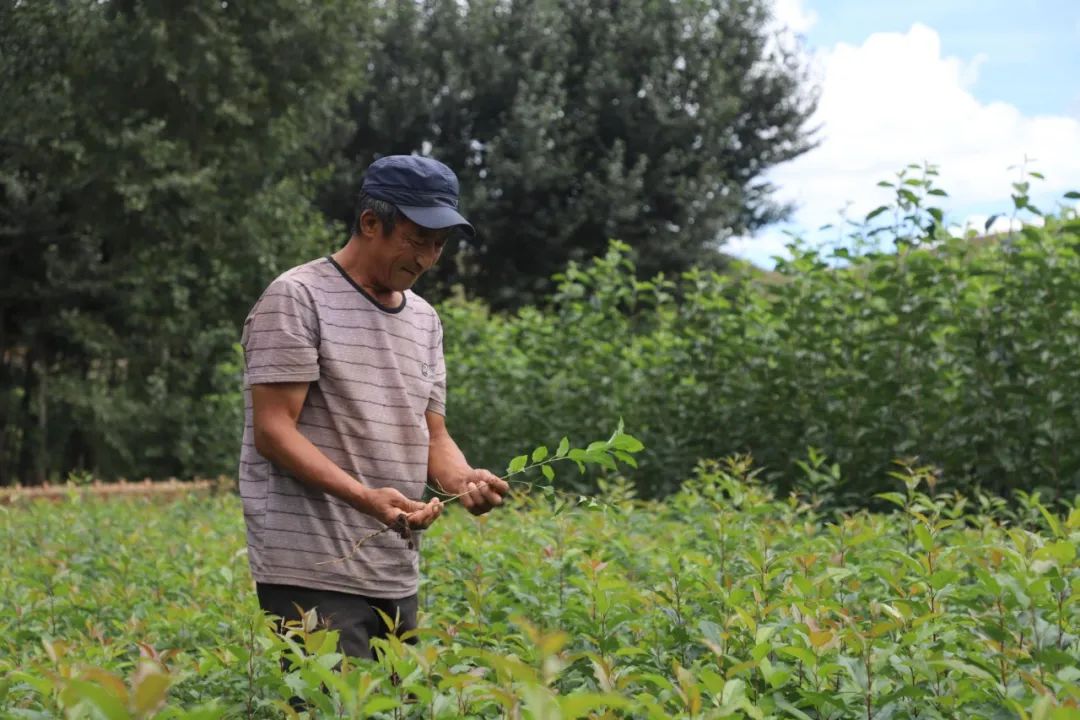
{"x": 973, "y": 87}
{"x": 1032, "y": 48}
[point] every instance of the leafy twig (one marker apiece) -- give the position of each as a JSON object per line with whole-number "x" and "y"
{"x": 619, "y": 447}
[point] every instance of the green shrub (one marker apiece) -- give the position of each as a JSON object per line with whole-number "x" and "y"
{"x": 963, "y": 352}
{"x": 725, "y": 601}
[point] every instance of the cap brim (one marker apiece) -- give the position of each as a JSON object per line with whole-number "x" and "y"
{"x": 436, "y": 218}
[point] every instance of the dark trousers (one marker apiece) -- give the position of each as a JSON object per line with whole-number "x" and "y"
{"x": 353, "y": 616}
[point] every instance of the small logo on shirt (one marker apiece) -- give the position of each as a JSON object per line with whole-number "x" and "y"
{"x": 426, "y": 370}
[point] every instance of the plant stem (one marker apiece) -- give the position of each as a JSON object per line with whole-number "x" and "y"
{"x": 449, "y": 499}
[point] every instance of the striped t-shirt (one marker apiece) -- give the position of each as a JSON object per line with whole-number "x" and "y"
{"x": 374, "y": 371}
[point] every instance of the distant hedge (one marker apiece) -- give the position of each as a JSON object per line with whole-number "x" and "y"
{"x": 960, "y": 353}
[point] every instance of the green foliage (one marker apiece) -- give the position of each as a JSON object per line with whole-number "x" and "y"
{"x": 572, "y": 122}
{"x": 957, "y": 349}
{"x": 620, "y": 446}
{"x": 157, "y": 163}
{"x": 606, "y": 454}
{"x": 726, "y": 600}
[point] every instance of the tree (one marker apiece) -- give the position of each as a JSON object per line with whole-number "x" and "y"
{"x": 157, "y": 162}
{"x": 572, "y": 121}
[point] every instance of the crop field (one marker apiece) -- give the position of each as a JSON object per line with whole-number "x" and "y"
{"x": 723, "y": 601}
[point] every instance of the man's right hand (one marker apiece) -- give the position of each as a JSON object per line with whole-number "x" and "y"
{"x": 386, "y": 504}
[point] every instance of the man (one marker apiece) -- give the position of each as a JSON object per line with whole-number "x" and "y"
{"x": 345, "y": 389}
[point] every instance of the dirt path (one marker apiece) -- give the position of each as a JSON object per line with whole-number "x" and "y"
{"x": 162, "y": 489}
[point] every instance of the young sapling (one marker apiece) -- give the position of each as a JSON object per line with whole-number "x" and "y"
{"x": 606, "y": 453}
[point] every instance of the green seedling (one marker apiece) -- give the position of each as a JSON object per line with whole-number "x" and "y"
{"x": 605, "y": 453}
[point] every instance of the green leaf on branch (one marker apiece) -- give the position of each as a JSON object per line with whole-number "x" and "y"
{"x": 922, "y": 534}
{"x": 629, "y": 443}
{"x": 875, "y": 212}
{"x": 1061, "y": 551}
{"x": 893, "y": 497}
{"x": 564, "y": 447}
{"x": 539, "y": 454}
{"x": 548, "y": 471}
{"x": 517, "y": 464}
{"x": 602, "y": 459}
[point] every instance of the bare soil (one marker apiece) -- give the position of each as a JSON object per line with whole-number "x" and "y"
{"x": 163, "y": 489}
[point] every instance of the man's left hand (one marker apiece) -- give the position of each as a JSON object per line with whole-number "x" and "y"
{"x": 481, "y": 490}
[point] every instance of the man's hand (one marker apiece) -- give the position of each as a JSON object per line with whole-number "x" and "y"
{"x": 480, "y": 490}
{"x": 387, "y": 504}
{"x": 276, "y": 409}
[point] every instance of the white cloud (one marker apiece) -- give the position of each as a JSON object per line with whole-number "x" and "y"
{"x": 792, "y": 15}
{"x": 790, "y": 22}
{"x": 896, "y": 100}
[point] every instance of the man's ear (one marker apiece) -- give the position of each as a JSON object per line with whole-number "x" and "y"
{"x": 368, "y": 225}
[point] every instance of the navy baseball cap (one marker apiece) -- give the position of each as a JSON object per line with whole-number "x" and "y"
{"x": 422, "y": 188}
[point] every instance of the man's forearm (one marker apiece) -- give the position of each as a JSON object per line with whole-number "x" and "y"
{"x": 290, "y": 450}
{"x": 447, "y": 466}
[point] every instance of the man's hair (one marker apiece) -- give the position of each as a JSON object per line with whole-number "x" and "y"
{"x": 387, "y": 213}
{"x": 389, "y": 216}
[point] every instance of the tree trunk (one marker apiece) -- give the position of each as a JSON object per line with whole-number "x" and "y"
{"x": 7, "y": 398}
{"x": 41, "y": 469}
{"x": 26, "y": 439}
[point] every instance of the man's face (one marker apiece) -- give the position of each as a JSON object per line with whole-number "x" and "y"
{"x": 407, "y": 252}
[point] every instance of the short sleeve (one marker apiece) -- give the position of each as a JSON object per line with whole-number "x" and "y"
{"x": 437, "y": 399}
{"x": 281, "y": 337}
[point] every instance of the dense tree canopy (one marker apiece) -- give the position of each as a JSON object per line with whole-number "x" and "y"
{"x": 155, "y": 169}
{"x": 160, "y": 162}
{"x": 571, "y": 122}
